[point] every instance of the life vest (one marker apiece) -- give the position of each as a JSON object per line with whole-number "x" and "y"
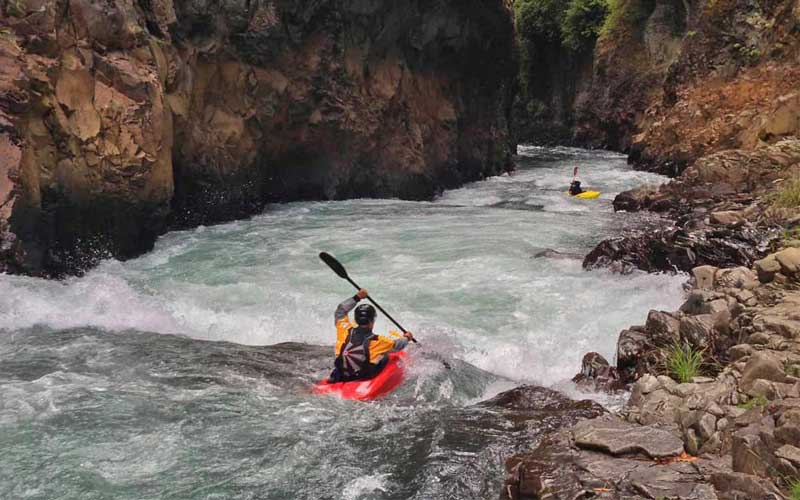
{"x": 352, "y": 363}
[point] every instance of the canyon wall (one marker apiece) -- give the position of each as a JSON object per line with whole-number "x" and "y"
{"x": 673, "y": 80}
{"x": 124, "y": 118}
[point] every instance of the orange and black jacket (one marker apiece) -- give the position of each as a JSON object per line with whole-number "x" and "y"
{"x": 379, "y": 346}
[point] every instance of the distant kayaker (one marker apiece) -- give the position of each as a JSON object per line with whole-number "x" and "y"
{"x": 575, "y": 188}
{"x": 360, "y": 354}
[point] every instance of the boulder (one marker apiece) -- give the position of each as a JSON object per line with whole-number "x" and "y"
{"x": 631, "y": 345}
{"x": 740, "y": 351}
{"x": 789, "y": 260}
{"x": 761, "y": 366}
{"x": 704, "y": 277}
{"x": 617, "y": 437}
{"x": 737, "y": 277}
{"x": 750, "y": 448}
{"x": 697, "y": 330}
{"x": 596, "y": 374}
{"x": 780, "y": 325}
{"x": 662, "y": 327}
{"x": 633, "y": 200}
{"x": 705, "y": 302}
{"x": 740, "y": 486}
{"x": 788, "y": 431}
{"x": 726, "y": 217}
{"x": 767, "y": 268}
{"x": 790, "y": 453}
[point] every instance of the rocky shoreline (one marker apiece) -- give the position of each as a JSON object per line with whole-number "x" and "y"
{"x": 733, "y": 430}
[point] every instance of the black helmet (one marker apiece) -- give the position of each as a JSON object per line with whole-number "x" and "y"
{"x": 364, "y": 314}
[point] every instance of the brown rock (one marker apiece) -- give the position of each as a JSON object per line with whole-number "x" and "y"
{"x": 618, "y": 437}
{"x": 790, "y": 453}
{"x": 789, "y": 260}
{"x": 704, "y": 277}
{"x": 697, "y": 330}
{"x": 767, "y": 268}
{"x": 727, "y": 217}
{"x": 662, "y": 327}
{"x": 761, "y": 366}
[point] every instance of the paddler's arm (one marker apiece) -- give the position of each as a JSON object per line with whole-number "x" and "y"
{"x": 400, "y": 341}
{"x": 345, "y": 307}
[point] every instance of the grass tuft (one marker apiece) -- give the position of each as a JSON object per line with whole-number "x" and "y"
{"x": 789, "y": 195}
{"x": 683, "y": 361}
{"x": 758, "y": 401}
{"x": 794, "y": 489}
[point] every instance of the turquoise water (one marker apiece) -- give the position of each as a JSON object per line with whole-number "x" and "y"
{"x": 162, "y": 377}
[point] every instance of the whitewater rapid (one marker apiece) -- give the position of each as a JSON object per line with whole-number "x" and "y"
{"x": 89, "y": 364}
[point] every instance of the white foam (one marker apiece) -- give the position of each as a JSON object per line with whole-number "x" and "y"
{"x": 462, "y": 277}
{"x": 365, "y": 484}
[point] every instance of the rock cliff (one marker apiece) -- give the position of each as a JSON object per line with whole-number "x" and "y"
{"x": 673, "y": 80}
{"x": 121, "y": 119}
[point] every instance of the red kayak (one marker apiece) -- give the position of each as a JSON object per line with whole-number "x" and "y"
{"x": 384, "y": 383}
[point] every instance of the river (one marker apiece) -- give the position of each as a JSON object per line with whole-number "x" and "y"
{"x": 184, "y": 373}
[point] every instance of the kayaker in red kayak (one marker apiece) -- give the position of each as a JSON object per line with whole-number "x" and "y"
{"x": 361, "y": 354}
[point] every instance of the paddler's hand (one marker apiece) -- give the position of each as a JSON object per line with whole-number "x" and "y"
{"x": 409, "y": 336}
{"x": 362, "y": 294}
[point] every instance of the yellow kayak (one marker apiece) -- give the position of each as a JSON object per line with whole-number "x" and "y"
{"x": 586, "y": 195}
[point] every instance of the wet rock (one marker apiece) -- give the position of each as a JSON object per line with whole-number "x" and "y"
{"x": 557, "y": 470}
{"x": 542, "y": 402}
{"x": 596, "y": 374}
{"x": 555, "y": 254}
{"x": 633, "y": 200}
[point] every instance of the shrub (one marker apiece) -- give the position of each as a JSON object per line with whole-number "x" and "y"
{"x": 683, "y": 361}
{"x": 539, "y": 19}
{"x": 789, "y": 195}
{"x": 582, "y": 22}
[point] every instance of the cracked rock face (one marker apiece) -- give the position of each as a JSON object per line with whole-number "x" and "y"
{"x": 121, "y": 119}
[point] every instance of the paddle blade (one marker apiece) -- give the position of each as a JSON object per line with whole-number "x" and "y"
{"x": 575, "y": 172}
{"x": 333, "y": 264}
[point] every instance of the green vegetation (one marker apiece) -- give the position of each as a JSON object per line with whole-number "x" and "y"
{"x": 582, "y": 22}
{"x": 544, "y": 25}
{"x": 794, "y": 489}
{"x": 758, "y": 401}
{"x": 16, "y": 8}
{"x": 683, "y": 361}
{"x": 789, "y": 195}
{"x": 539, "y": 20}
{"x": 574, "y": 24}
{"x": 624, "y": 16}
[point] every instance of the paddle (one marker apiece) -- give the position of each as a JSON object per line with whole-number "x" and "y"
{"x": 339, "y": 269}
